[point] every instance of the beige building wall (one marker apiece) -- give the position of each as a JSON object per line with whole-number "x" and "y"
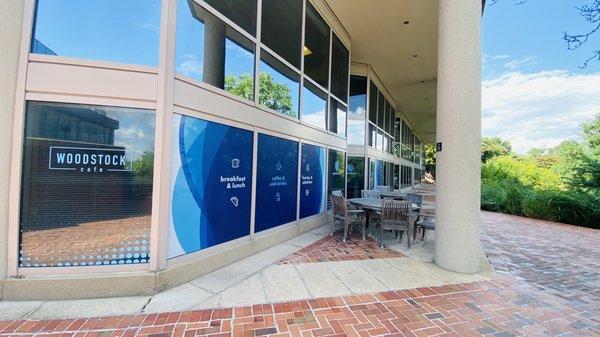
{"x": 11, "y": 16}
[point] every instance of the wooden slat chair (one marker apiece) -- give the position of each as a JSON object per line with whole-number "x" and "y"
{"x": 370, "y": 194}
{"x": 348, "y": 217}
{"x": 383, "y": 188}
{"x": 396, "y": 216}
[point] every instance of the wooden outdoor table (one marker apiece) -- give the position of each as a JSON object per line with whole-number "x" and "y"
{"x": 396, "y": 195}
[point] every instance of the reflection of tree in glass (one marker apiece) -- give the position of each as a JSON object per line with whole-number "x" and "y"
{"x": 273, "y": 95}
{"x": 143, "y": 168}
{"x": 341, "y": 159}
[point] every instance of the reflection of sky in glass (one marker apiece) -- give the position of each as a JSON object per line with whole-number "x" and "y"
{"x": 356, "y": 132}
{"x": 341, "y": 122}
{"x": 189, "y": 48}
{"x": 107, "y": 30}
{"x": 379, "y": 140}
{"x": 293, "y": 85}
{"x": 189, "y": 43}
{"x": 136, "y": 128}
{"x": 313, "y": 109}
{"x": 358, "y": 105}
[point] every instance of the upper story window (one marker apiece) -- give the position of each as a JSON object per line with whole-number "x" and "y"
{"x": 241, "y": 12}
{"x": 373, "y": 95}
{"x": 209, "y": 50}
{"x": 316, "y": 47}
{"x": 281, "y": 28}
{"x": 105, "y": 30}
{"x": 314, "y": 104}
{"x": 279, "y": 86}
{"x": 340, "y": 58}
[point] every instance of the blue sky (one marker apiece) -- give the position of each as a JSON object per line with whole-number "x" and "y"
{"x": 534, "y": 93}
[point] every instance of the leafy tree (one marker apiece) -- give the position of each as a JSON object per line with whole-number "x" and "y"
{"x": 430, "y": 158}
{"x": 273, "y": 95}
{"x": 591, "y": 135}
{"x": 493, "y": 147}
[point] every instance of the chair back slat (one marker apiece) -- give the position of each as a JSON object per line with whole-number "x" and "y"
{"x": 383, "y": 188}
{"x": 339, "y": 205}
{"x": 370, "y": 194}
{"x": 337, "y": 192}
{"x": 396, "y": 211}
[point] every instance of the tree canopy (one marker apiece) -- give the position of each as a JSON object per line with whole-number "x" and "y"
{"x": 493, "y": 147}
{"x": 273, "y": 95}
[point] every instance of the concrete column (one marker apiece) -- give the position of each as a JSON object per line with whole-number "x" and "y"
{"x": 11, "y": 19}
{"x": 457, "y": 237}
{"x": 213, "y": 71}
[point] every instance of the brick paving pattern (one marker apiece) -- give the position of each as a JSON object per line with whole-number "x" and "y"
{"x": 332, "y": 248}
{"x": 547, "y": 286}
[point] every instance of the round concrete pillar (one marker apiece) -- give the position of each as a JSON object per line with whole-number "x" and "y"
{"x": 458, "y": 187}
{"x": 213, "y": 71}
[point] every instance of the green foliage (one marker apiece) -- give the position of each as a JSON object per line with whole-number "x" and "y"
{"x": 273, "y": 95}
{"x": 494, "y": 147}
{"x": 561, "y": 184}
{"x": 430, "y": 157}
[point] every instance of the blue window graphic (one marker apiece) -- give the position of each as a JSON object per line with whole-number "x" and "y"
{"x": 276, "y": 182}
{"x": 312, "y": 181}
{"x": 211, "y": 184}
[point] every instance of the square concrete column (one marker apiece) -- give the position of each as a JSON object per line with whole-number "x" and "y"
{"x": 458, "y": 186}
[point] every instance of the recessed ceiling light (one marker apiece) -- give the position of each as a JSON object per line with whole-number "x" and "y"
{"x": 415, "y": 55}
{"x": 406, "y": 22}
{"x": 422, "y": 81}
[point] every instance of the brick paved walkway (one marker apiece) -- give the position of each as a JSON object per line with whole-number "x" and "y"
{"x": 548, "y": 286}
{"x": 332, "y": 248}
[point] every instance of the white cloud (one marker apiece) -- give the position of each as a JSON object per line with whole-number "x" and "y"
{"x": 189, "y": 65}
{"x": 539, "y": 109}
{"x": 515, "y": 64}
{"x": 500, "y": 57}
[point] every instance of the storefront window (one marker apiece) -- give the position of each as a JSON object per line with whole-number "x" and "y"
{"x": 276, "y": 182}
{"x": 211, "y": 184}
{"x": 312, "y": 180}
{"x": 316, "y": 47}
{"x": 86, "y": 196}
{"x": 355, "y": 176}
{"x": 105, "y": 30}
{"x": 337, "y": 117}
{"x": 337, "y": 174}
{"x": 279, "y": 86}
{"x": 210, "y": 51}
{"x": 314, "y": 104}
{"x": 282, "y": 28}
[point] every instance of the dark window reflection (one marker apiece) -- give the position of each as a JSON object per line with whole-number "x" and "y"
{"x": 340, "y": 60}
{"x": 316, "y": 48}
{"x": 337, "y": 173}
{"x": 380, "y": 110}
{"x": 314, "y": 104}
{"x": 358, "y": 96}
{"x": 107, "y": 30}
{"x": 210, "y": 51}
{"x": 281, "y": 28}
{"x": 373, "y": 96}
{"x": 279, "y": 86}
{"x": 372, "y": 135}
{"x": 241, "y": 12}
{"x": 356, "y": 132}
{"x": 337, "y": 117}
{"x": 356, "y": 176}
{"x": 86, "y": 196}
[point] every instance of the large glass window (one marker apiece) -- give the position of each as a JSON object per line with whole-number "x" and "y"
{"x": 337, "y": 117}
{"x": 316, "y": 47}
{"x": 358, "y": 96}
{"x": 276, "y": 182}
{"x": 86, "y": 195}
{"x": 106, "y": 30}
{"x": 340, "y": 60}
{"x": 211, "y": 184}
{"x": 314, "y": 104}
{"x": 372, "y": 135}
{"x": 279, "y": 86}
{"x": 355, "y": 176}
{"x": 210, "y": 51}
{"x": 380, "y": 110}
{"x": 373, "y": 95}
{"x": 356, "y": 132}
{"x": 241, "y": 12}
{"x": 312, "y": 180}
{"x": 337, "y": 173}
{"x": 281, "y": 28}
